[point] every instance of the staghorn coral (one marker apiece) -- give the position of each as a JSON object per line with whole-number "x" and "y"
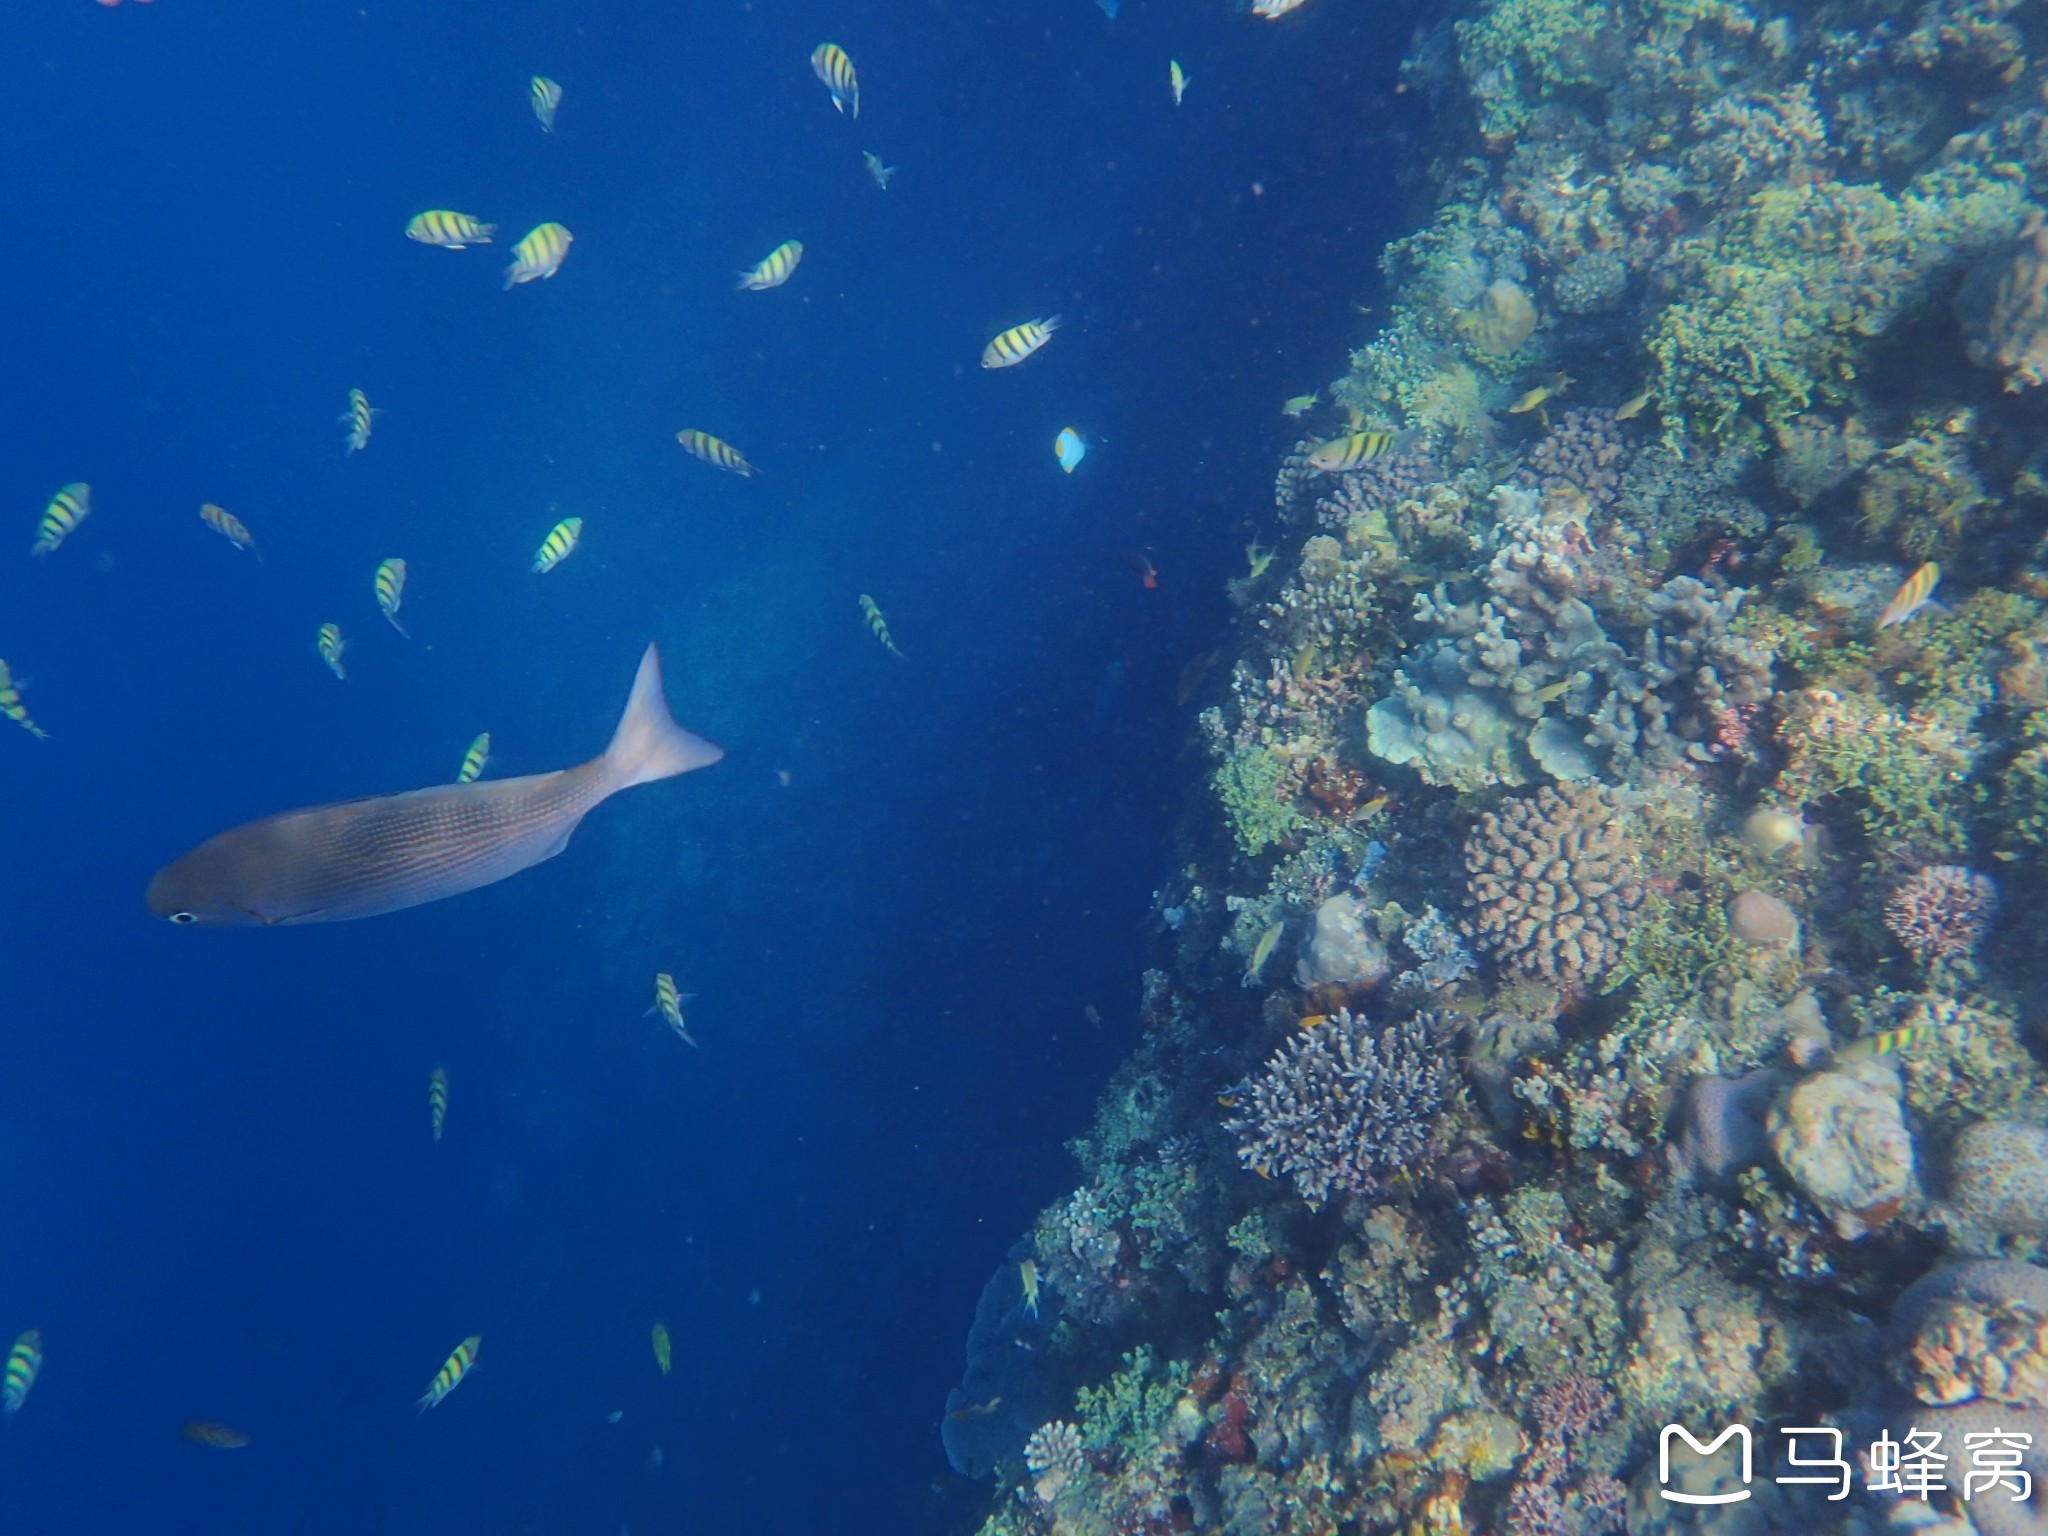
{"x": 1940, "y": 913}
{"x": 1339, "y": 1110}
{"x": 1552, "y": 882}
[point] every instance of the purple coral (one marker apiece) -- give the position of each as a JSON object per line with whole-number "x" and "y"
{"x": 1336, "y": 1109}
{"x": 1584, "y": 455}
{"x": 1940, "y": 913}
{"x": 1548, "y": 1501}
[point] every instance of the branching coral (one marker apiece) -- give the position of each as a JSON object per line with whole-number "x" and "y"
{"x": 1338, "y": 1109}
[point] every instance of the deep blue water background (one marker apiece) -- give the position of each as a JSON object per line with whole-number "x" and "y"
{"x": 221, "y": 1198}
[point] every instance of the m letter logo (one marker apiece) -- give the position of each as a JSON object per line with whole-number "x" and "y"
{"x": 1736, "y": 1432}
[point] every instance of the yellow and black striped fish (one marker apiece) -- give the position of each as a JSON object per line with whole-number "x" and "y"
{"x": 547, "y": 96}
{"x": 1350, "y": 451}
{"x": 229, "y": 527}
{"x": 1914, "y": 593}
{"x": 558, "y": 545}
{"x": 12, "y": 707}
{"x": 1019, "y": 342}
{"x": 668, "y": 1002}
{"x": 216, "y": 1436}
{"x": 449, "y": 1377}
{"x": 878, "y": 625}
{"x": 437, "y": 1099}
{"x": 357, "y": 419}
{"x": 540, "y": 254}
{"x": 390, "y": 588}
{"x": 448, "y": 229}
{"x": 774, "y": 268}
{"x": 831, "y": 65}
{"x": 67, "y": 509}
{"x": 330, "y": 645}
{"x": 715, "y": 451}
{"x": 473, "y": 760}
{"x": 23, "y": 1362}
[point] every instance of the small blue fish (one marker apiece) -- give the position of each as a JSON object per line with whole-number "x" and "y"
{"x": 1071, "y": 448}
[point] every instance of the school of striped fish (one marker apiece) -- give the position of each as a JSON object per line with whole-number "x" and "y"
{"x": 249, "y": 877}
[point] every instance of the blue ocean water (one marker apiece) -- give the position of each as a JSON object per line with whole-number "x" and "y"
{"x": 222, "y": 1200}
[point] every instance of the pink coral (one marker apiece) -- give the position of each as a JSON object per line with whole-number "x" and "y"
{"x": 1941, "y": 912}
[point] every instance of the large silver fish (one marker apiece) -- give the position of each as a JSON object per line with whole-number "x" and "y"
{"x": 360, "y": 858}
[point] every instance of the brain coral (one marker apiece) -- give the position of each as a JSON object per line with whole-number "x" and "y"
{"x": 1337, "y": 1109}
{"x": 1552, "y": 883}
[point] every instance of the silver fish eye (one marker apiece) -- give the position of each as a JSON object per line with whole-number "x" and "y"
{"x": 184, "y": 919}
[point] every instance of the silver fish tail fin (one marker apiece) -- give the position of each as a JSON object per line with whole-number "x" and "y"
{"x": 649, "y": 745}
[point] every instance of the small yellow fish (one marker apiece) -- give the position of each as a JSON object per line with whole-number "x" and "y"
{"x": 540, "y": 254}
{"x": 1532, "y": 400}
{"x": 882, "y": 173}
{"x": 23, "y": 1362}
{"x": 229, "y": 527}
{"x": 449, "y": 1377}
{"x": 1263, "y": 952}
{"x": 1260, "y": 560}
{"x": 1194, "y": 674}
{"x": 1914, "y": 593}
{"x": 774, "y": 269}
{"x": 437, "y": 1099}
{"x": 878, "y": 625}
{"x": 1177, "y": 78}
{"x": 668, "y": 1002}
{"x": 1300, "y": 405}
{"x": 1887, "y": 1041}
{"x": 547, "y": 96}
{"x": 390, "y": 588}
{"x": 67, "y": 509}
{"x": 831, "y": 65}
{"x": 558, "y": 545}
{"x": 474, "y": 759}
{"x": 330, "y": 645}
{"x": 1305, "y": 659}
{"x": 714, "y": 451}
{"x": 1350, "y": 451}
{"x": 1273, "y": 10}
{"x": 450, "y": 230}
{"x": 12, "y": 707}
{"x": 1375, "y": 805}
{"x": 1027, "y": 1276}
{"x": 1550, "y": 693}
{"x": 1632, "y": 407}
{"x": 1311, "y": 1020}
{"x": 219, "y": 1437}
{"x": 661, "y": 1347}
{"x": 357, "y": 419}
{"x": 1019, "y": 342}
{"x": 970, "y": 1411}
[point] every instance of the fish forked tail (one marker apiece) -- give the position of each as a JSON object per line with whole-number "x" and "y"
{"x": 649, "y": 745}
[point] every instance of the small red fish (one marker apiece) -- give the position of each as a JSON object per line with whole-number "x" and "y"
{"x": 1147, "y": 571}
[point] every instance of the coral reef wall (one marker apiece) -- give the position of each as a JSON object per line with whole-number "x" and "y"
{"x": 1592, "y": 996}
